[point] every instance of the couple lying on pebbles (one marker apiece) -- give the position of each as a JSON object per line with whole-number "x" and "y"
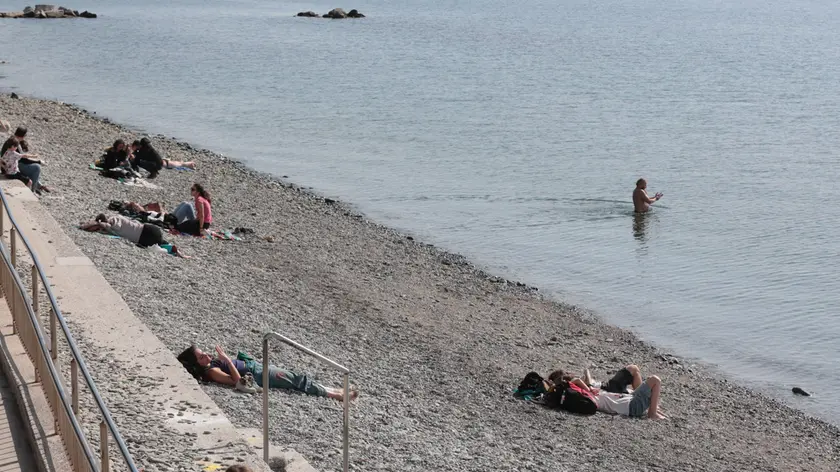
{"x": 242, "y": 372}
{"x": 624, "y": 394}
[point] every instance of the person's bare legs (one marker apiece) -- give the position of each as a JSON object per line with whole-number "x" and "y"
{"x": 653, "y": 411}
{"x": 338, "y": 393}
{"x": 637, "y": 375}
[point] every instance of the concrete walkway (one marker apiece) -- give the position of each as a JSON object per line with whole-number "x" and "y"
{"x": 15, "y": 453}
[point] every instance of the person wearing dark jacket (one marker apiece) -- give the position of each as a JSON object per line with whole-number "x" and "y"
{"x": 115, "y": 156}
{"x": 147, "y": 157}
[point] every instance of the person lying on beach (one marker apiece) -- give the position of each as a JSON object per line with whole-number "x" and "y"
{"x": 629, "y": 376}
{"x": 115, "y": 156}
{"x": 142, "y": 234}
{"x": 145, "y": 156}
{"x": 18, "y": 162}
{"x": 170, "y": 164}
{"x": 223, "y": 370}
{"x": 641, "y": 200}
{"x": 203, "y": 213}
{"x": 645, "y": 396}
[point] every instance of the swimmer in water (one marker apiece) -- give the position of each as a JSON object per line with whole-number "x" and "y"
{"x": 641, "y": 200}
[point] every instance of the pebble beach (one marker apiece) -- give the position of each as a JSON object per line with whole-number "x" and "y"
{"x": 435, "y": 343}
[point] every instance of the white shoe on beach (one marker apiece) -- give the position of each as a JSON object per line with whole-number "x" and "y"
{"x": 246, "y": 384}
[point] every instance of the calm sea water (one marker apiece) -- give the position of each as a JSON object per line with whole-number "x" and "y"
{"x": 514, "y": 134}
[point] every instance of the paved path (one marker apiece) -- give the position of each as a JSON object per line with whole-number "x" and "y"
{"x": 15, "y": 454}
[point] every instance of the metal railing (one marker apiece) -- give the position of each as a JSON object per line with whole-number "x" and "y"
{"x": 322, "y": 358}
{"x": 28, "y": 326}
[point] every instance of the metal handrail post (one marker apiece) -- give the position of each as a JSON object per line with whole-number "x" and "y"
{"x": 103, "y": 447}
{"x": 35, "y": 289}
{"x": 265, "y": 399}
{"x": 13, "y": 245}
{"x": 53, "y": 336}
{"x": 74, "y": 385}
{"x": 346, "y": 421}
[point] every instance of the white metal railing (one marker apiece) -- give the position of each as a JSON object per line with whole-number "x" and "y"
{"x": 322, "y": 358}
{"x": 28, "y": 327}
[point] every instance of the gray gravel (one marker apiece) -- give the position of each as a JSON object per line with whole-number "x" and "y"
{"x": 435, "y": 343}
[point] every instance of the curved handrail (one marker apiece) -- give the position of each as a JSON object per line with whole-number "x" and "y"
{"x": 322, "y": 358}
{"x": 74, "y": 349}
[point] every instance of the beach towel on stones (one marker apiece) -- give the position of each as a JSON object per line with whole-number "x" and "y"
{"x": 571, "y": 398}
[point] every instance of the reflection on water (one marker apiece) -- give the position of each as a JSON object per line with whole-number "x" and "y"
{"x": 640, "y": 224}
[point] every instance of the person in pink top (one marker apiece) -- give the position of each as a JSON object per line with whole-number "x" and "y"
{"x": 203, "y": 213}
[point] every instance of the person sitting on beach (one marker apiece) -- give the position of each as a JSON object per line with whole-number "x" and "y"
{"x": 115, "y": 156}
{"x": 19, "y": 163}
{"x": 170, "y": 164}
{"x": 145, "y": 156}
{"x": 645, "y": 396}
{"x": 9, "y": 164}
{"x": 203, "y": 213}
{"x": 142, "y": 234}
{"x": 225, "y": 371}
{"x": 641, "y": 200}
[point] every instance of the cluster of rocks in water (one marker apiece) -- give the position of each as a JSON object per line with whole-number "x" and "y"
{"x": 335, "y": 13}
{"x": 47, "y": 11}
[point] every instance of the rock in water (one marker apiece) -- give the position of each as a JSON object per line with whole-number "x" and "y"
{"x": 799, "y": 391}
{"x": 309, "y": 14}
{"x": 14, "y": 95}
{"x": 336, "y": 13}
{"x": 355, "y": 14}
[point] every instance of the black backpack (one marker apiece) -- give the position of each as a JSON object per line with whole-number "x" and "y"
{"x": 567, "y": 398}
{"x": 531, "y": 388}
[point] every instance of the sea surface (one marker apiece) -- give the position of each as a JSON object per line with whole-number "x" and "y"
{"x": 514, "y": 133}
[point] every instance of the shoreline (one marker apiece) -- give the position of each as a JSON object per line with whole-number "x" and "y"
{"x": 367, "y": 295}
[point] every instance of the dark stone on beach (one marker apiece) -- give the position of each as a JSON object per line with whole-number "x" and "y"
{"x": 308, "y": 14}
{"x": 355, "y": 14}
{"x": 14, "y": 95}
{"x": 799, "y": 391}
{"x": 336, "y": 13}
{"x": 669, "y": 359}
{"x": 409, "y": 238}
{"x": 329, "y": 200}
